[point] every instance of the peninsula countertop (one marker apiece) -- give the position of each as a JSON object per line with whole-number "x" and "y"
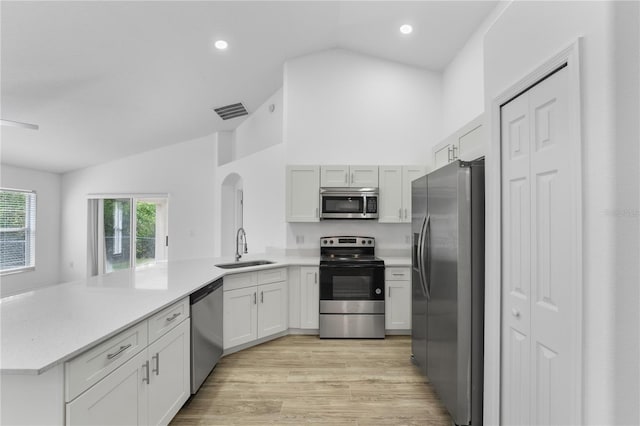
{"x": 48, "y": 326}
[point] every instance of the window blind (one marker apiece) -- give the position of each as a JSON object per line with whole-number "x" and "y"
{"x": 17, "y": 229}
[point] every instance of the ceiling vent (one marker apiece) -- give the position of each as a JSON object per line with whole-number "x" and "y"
{"x": 231, "y": 111}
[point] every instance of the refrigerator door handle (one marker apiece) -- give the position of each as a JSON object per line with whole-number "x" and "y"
{"x": 427, "y": 266}
{"x": 421, "y": 270}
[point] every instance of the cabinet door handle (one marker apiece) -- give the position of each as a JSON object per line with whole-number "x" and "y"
{"x": 389, "y": 292}
{"x": 119, "y": 351}
{"x": 352, "y": 180}
{"x": 400, "y": 213}
{"x": 316, "y": 212}
{"x": 453, "y": 151}
{"x": 145, "y": 375}
{"x": 315, "y": 278}
{"x": 255, "y": 300}
{"x": 173, "y": 317}
{"x": 449, "y": 154}
{"x": 157, "y": 358}
{"x": 405, "y": 213}
{"x": 262, "y": 297}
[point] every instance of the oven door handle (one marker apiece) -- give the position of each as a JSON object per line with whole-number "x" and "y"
{"x": 352, "y": 266}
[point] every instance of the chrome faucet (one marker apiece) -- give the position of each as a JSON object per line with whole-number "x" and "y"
{"x": 243, "y": 235}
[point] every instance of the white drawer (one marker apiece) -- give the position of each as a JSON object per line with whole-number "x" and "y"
{"x": 397, "y": 274}
{"x": 87, "y": 369}
{"x": 236, "y": 281}
{"x": 167, "y": 319}
{"x": 272, "y": 275}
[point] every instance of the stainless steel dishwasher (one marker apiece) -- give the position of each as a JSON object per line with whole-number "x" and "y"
{"x": 206, "y": 331}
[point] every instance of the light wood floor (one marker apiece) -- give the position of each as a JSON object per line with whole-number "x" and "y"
{"x": 302, "y": 380}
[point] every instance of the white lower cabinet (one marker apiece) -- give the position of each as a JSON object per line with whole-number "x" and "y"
{"x": 118, "y": 399}
{"x": 240, "y": 321}
{"x": 255, "y": 311}
{"x": 147, "y": 389}
{"x": 170, "y": 375}
{"x": 397, "y": 298}
{"x": 309, "y": 297}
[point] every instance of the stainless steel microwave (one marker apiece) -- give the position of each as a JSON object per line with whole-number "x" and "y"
{"x": 348, "y": 203}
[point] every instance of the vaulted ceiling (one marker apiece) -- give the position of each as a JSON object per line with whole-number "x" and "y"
{"x": 107, "y": 79}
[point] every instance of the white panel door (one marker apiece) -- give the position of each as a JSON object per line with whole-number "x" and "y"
{"x": 303, "y": 194}
{"x": 118, "y": 399}
{"x": 170, "y": 378}
{"x": 273, "y": 313}
{"x": 539, "y": 244}
{"x": 516, "y": 267}
{"x": 240, "y": 316}
{"x": 397, "y": 305}
{"x": 471, "y": 145}
{"x": 390, "y": 201}
{"x": 409, "y": 174}
{"x": 334, "y": 176}
{"x": 309, "y": 297}
{"x": 363, "y": 176}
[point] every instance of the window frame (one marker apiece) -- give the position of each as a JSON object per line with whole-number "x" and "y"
{"x": 133, "y": 198}
{"x": 30, "y": 228}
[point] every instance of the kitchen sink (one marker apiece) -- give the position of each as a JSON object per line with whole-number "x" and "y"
{"x": 245, "y": 264}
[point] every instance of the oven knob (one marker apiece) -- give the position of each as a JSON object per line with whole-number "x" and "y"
{"x": 378, "y": 291}
{"x": 324, "y": 242}
{"x": 370, "y": 242}
{"x": 331, "y": 241}
{"x": 364, "y": 242}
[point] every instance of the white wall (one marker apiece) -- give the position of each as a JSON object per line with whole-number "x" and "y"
{"x": 47, "y": 187}
{"x": 259, "y": 161}
{"x": 263, "y": 184}
{"x": 186, "y": 171}
{"x": 463, "y": 79}
{"x": 262, "y": 129}
{"x": 525, "y": 36}
{"x": 346, "y": 108}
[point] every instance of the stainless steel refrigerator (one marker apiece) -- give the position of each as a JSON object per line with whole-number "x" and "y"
{"x": 448, "y": 285}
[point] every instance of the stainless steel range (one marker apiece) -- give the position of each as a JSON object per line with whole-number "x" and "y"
{"x": 351, "y": 288}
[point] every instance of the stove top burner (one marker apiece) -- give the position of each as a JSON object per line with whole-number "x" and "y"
{"x": 348, "y": 251}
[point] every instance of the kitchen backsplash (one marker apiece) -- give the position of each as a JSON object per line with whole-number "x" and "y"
{"x": 389, "y": 236}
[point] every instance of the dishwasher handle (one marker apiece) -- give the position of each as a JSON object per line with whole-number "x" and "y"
{"x": 205, "y": 291}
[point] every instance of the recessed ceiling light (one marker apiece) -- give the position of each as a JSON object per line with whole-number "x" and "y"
{"x": 221, "y": 44}
{"x": 406, "y": 29}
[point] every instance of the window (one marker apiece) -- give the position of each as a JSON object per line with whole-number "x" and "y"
{"x": 17, "y": 230}
{"x": 125, "y": 231}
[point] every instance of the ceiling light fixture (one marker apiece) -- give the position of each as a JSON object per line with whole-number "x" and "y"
{"x": 406, "y": 29}
{"x": 221, "y": 45}
{"x": 19, "y": 124}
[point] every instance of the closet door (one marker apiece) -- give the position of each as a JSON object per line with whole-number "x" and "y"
{"x": 538, "y": 260}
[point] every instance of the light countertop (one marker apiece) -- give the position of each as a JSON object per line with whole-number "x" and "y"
{"x": 48, "y": 326}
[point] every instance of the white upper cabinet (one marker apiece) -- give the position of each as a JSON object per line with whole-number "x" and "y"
{"x": 395, "y": 192}
{"x": 349, "y": 176}
{"x": 303, "y": 194}
{"x": 468, "y": 143}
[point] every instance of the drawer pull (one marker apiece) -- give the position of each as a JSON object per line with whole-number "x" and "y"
{"x": 398, "y": 275}
{"x": 119, "y": 351}
{"x": 174, "y": 316}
